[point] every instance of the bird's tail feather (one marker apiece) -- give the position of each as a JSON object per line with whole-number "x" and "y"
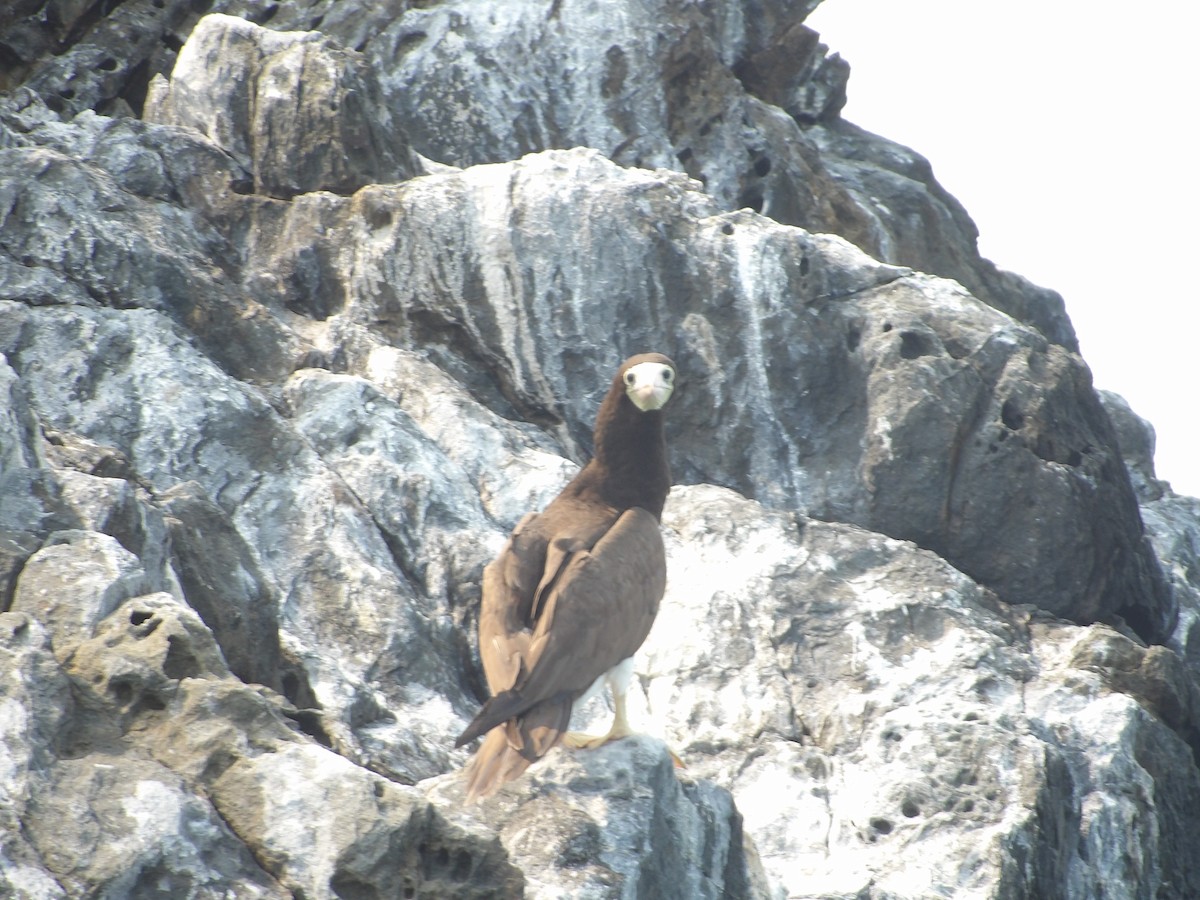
{"x": 511, "y": 747}
{"x": 504, "y": 706}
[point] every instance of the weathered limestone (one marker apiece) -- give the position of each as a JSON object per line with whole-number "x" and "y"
{"x": 274, "y": 387}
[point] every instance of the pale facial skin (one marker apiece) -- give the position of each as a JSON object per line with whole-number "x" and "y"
{"x": 649, "y": 385}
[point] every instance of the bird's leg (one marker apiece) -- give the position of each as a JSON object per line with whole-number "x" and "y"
{"x": 619, "y": 729}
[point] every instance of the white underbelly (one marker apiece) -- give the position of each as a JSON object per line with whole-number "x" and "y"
{"x": 618, "y": 679}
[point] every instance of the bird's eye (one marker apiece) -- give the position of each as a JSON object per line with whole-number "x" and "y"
{"x": 667, "y": 375}
{"x": 630, "y": 377}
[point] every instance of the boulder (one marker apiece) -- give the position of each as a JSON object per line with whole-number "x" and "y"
{"x": 298, "y": 112}
{"x": 304, "y": 305}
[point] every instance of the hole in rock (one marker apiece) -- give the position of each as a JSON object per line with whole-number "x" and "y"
{"x": 852, "y": 339}
{"x": 762, "y": 166}
{"x": 882, "y": 826}
{"x": 180, "y": 661}
{"x": 379, "y": 217}
{"x": 887, "y": 326}
{"x": 67, "y": 93}
{"x": 137, "y": 83}
{"x": 350, "y": 887}
{"x": 1012, "y": 417}
{"x": 726, "y": 228}
{"x": 218, "y": 764}
{"x": 291, "y": 686}
{"x": 910, "y": 809}
{"x": 462, "y": 866}
{"x": 152, "y": 701}
{"x": 309, "y": 722}
{"x": 138, "y": 616}
{"x": 1143, "y": 624}
{"x": 913, "y": 345}
{"x": 580, "y": 848}
{"x": 1074, "y": 458}
{"x": 108, "y": 64}
{"x": 804, "y": 266}
{"x": 10, "y": 60}
{"x": 410, "y": 40}
{"x": 122, "y": 691}
{"x": 751, "y": 199}
{"x": 957, "y": 349}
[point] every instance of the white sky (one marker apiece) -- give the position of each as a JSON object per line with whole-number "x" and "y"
{"x": 1069, "y": 131}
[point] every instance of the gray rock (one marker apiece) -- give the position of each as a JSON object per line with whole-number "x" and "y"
{"x": 220, "y": 576}
{"x": 73, "y": 582}
{"x": 1173, "y": 529}
{"x": 272, "y": 397}
{"x": 35, "y": 708}
{"x": 888, "y": 186}
{"x": 618, "y": 822}
{"x": 934, "y": 738}
{"x": 298, "y": 112}
{"x": 742, "y": 98}
{"x": 328, "y": 828}
{"x": 770, "y": 325}
{"x": 83, "y": 55}
{"x": 121, "y": 827}
{"x": 1136, "y": 438}
{"x": 77, "y": 237}
{"x": 28, "y": 494}
{"x": 139, "y": 654}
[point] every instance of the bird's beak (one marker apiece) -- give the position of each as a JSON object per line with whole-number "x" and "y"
{"x": 649, "y": 396}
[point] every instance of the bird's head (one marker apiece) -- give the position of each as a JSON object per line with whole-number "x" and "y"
{"x": 649, "y": 380}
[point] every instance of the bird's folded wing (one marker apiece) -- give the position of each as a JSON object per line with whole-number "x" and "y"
{"x": 598, "y": 610}
{"x": 509, "y": 586}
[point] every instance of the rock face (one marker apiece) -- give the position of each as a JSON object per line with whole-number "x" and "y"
{"x": 304, "y": 305}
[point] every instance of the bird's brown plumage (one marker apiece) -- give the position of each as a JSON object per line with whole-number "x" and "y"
{"x": 576, "y": 588}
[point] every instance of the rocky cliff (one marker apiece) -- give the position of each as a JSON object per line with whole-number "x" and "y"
{"x": 304, "y": 304}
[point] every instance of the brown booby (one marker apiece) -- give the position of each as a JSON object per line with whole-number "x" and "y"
{"x": 575, "y": 590}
